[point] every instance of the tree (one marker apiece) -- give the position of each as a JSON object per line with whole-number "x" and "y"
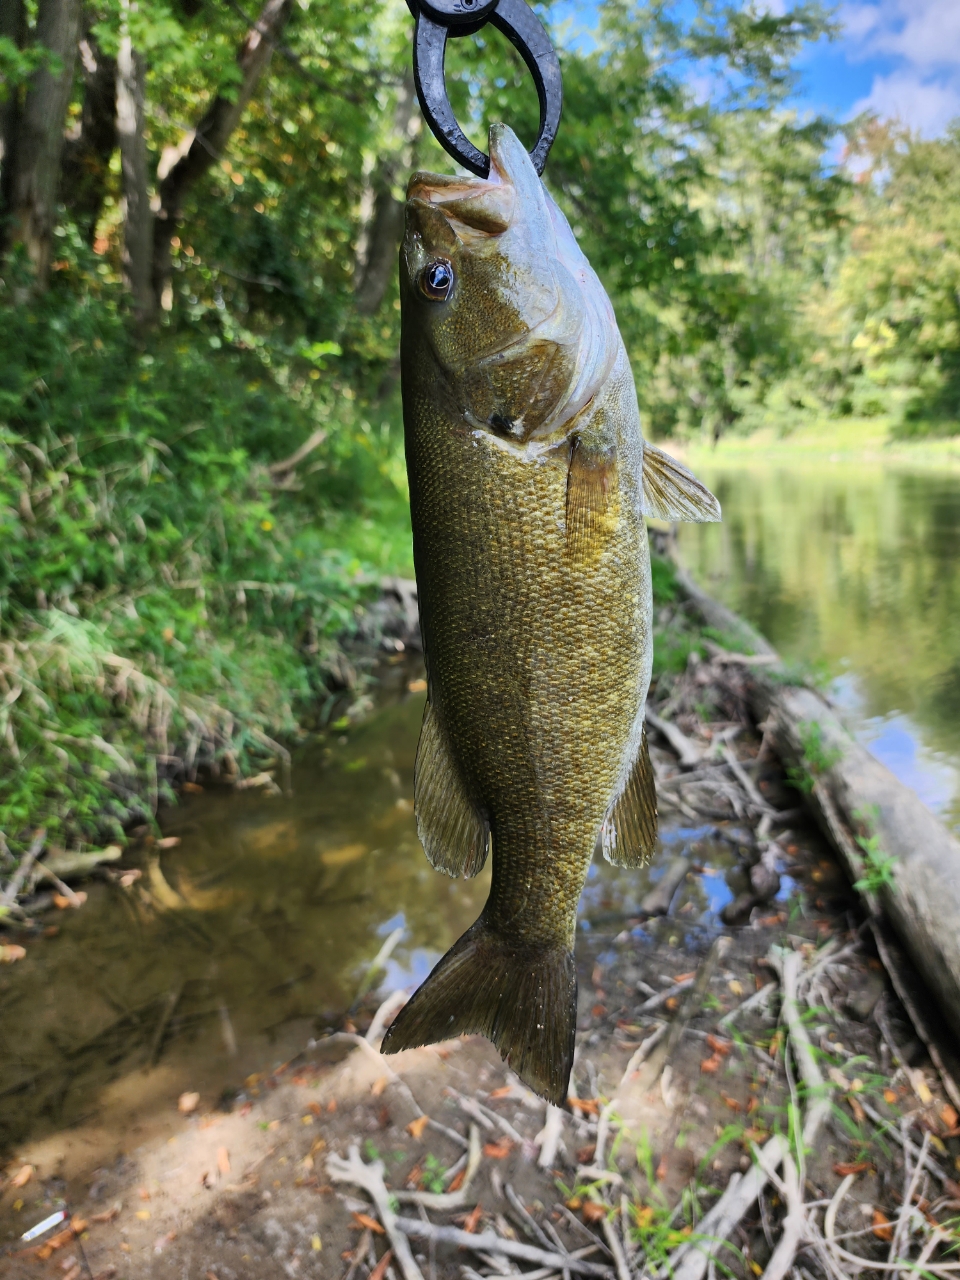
{"x": 37, "y": 145}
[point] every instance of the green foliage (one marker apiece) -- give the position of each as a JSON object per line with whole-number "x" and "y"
{"x": 161, "y": 593}
{"x": 878, "y": 866}
{"x": 817, "y": 757}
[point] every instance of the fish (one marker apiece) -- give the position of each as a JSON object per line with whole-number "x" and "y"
{"x": 530, "y": 481}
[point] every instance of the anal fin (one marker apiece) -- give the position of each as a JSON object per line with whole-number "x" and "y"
{"x": 454, "y": 836}
{"x": 671, "y": 492}
{"x": 629, "y": 833}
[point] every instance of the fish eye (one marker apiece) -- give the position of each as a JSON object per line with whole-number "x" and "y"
{"x": 436, "y": 280}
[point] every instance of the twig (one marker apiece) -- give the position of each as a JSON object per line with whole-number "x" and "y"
{"x": 662, "y": 997}
{"x": 396, "y": 1000}
{"x": 748, "y": 784}
{"x": 487, "y": 1242}
{"x": 370, "y": 1178}
{"x": 794, "y": 1225}
{"x": 637, "y": 1060}
{"x": 287, "y": 464}
{"x": 928, "y": 1163}
{"x": 169, "y": 1007}
{"x": 687, "y": 751}
{"x": 527, "y": 1220}
{"x": 761, "y": 997}
{"x": 613, "y": 1243}
{"x": 9, "y": 896}
{"x": 548, "y": 1139}
{"x": 376, "y": 964}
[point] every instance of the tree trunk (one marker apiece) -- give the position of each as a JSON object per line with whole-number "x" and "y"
{"x": 137, "y": 216}
{"x": 86, "y": 158}
{"x": 39, "y": 143}
{"x": 210, "y": 139}
{"x": 13, "y": 24}
{"x": 381, "y": 213}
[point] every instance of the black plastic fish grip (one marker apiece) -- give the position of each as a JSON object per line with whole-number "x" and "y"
{"x": 437, "y": 20}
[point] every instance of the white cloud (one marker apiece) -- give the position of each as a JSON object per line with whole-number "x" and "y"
{"x": 921, "y": 38}
{"x": 927, "y": 105}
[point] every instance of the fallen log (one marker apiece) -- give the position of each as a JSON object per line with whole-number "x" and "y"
{"x": 901, "y": 859}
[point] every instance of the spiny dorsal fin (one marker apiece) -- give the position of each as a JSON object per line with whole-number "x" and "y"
{"x": 629, "y": 834}
{"x": 670, "y": 492}
{"x": 451, "y": 831}
{"x": 592, "y": 499}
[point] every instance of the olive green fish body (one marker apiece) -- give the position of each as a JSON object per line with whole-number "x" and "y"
{"x": 529, "y": 481}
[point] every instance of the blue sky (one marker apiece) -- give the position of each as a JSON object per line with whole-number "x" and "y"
{"x": 900, "y": 58}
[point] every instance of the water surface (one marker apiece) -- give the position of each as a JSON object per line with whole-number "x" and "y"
{"x": 855, "y": 570}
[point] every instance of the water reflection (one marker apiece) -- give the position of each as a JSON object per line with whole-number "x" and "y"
{"x": 855, "y": 568}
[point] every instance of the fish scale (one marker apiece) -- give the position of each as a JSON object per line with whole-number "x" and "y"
{"x": 527, "y": 483}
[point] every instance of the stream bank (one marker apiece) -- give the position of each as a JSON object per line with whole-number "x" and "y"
{"x": 242, "y": 1184}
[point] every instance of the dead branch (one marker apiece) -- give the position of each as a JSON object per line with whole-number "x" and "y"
{"x": 687, "y": 751}
{"x": 487, "y": 1242}
{"x": 369, "y": 1177}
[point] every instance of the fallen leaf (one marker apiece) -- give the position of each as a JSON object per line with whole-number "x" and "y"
{"x": 711, "y": 1065}
{"x": 845, "y": 1170}
{"x": 363, "y": 1222}
{"x": 12, "y": 951}
{"x": 378, "y": 1086}
{"x": 685, "y": 977}
{"x": 188, "y": 1103}
{"x": 61, "y": 902}
{"x": 586, "y": 1106}
{"x": 593, "y": 1212}
{"x": 380, "y": 1270}
{"x": 722, "y": 1047}
{"x": 503, "y": 1092}
{"x": 416, "y": 1127}
{"x": 735, "y": 987}
{"x": 191, "y": 788}
{"x": 858, "y": 1112}
{"x": 732, "y": 1103}
{"x": 921, "y": 1087}
{"x": 498, "y": 1150}
{"x": 74, "y": 1273}
{"x": 755, "y": 1267}
{"x": 586, "y": 1154}
{"x": 457, "y": 1181}
{"x": 168, "y": 842}
{"x": 108, "y": 1215}
{"x": 598, "y": 1011}
{"x": 332, "y": 1104}
{"x": 472, "y": 1219}
{"x": 671, "y": 1003}
{"x": 223, "y": 1160}
{"x": 949, "y": 1116}
{"x": 882, "y": 1227}
{"x": 889, "y": 1096}
{"x": 838, "y": 1078}
{"x": 130, "y": 878}
{"x": 315, "y": 1108}
{"x": 316, "y": 1244}
{"x": 143, "y": 1193}
{"x": 574, "y": 1203}
{"x": 414, "y": 1176}
{"x": 416, "y": 686}
{"x": 307, "y": 1119}
{"x": 143, "y": 1215}
{"x": 22, "y": 1176}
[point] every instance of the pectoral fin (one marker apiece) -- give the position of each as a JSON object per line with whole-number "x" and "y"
{"x": 592, "y": 499}
{"x": 453, "y": 835}
{"x": 629, "y": 834}
{"x": 670, "y": 492}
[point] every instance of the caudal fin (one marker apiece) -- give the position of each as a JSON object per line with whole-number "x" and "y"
{"x": 524, "y": 999}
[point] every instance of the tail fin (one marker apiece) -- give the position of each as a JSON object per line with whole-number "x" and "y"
{"x": 524, "y": 999}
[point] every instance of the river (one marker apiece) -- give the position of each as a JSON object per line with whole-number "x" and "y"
{"x": 852, "y": 569}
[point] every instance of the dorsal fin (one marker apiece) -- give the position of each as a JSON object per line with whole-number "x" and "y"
{"x": 453, "y": 835}
{"x": 629, "y": 834}
{"x": 671, "y": 492}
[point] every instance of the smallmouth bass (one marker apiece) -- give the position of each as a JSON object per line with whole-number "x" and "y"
{"x": 529, "y": 483}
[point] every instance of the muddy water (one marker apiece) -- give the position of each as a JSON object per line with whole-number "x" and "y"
{"x": 852, "y": 568}
{"x": 254, "y": 934}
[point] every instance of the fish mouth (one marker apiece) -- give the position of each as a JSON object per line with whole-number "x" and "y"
{"x": 480, "y": 207}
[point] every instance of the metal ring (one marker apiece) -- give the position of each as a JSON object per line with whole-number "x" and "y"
{"x": 526, "y": 33}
